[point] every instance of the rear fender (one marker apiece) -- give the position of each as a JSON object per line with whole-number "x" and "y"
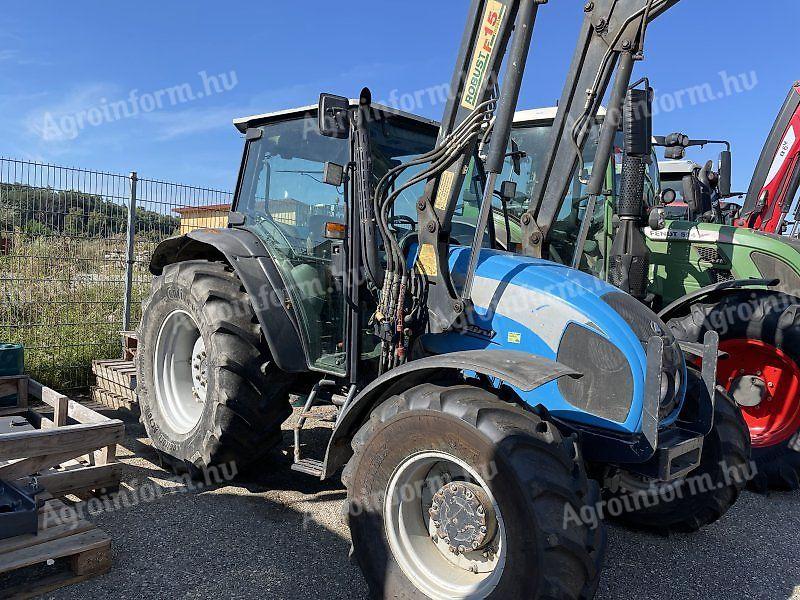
{"x": 517, "y": 369}
{"x": 246, "y": 254}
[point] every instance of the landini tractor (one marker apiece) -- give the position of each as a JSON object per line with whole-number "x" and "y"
{"x": 604, "y": 213}
{"x": 477, "y": 389}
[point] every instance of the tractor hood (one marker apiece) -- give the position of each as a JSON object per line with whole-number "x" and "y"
{"x": 574, "y": 318}
{"x": 735, "y": 252}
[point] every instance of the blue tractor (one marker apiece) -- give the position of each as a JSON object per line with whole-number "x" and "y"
{"x": 481, "y": 395}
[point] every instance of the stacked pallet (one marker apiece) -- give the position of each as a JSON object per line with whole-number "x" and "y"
{"x": 62, "y": 535}
{"x": 115, "y": 385}
{"x": 66, "y": 448}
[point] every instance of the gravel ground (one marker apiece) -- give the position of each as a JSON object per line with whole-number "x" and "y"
{"x": 277, "y": 534}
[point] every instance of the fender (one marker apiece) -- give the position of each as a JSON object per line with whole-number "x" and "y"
{"x": 723, "y": 288}
{"x": 518, "y": 369}
{"x": 246, "y": 254}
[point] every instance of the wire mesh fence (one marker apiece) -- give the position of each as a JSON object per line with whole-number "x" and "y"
{"x": 72, "y": 259}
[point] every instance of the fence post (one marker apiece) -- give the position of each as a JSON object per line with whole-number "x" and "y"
{"x": 130, "y": 255}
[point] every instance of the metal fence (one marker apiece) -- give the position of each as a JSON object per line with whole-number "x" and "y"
{"x": 74, "y": 250}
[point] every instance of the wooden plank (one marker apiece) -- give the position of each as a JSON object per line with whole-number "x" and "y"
{"x": 61, "y": 411}
{"x": 45, "y": 585}
{"x": 83, "y": 436}
{"x": 81, "y": 478}
{"x": 55, "y": 549}
{"x": 117, "y": 389}
{"x": 55, "y": 531}
{"x": 36, "y": 464}
{"x": 77, "y": 411}
{"x": 22, "y": 392}
{"x": 122, "y": 373}
{"x": 113, "y": 401}
{"x": 8, "y": 387}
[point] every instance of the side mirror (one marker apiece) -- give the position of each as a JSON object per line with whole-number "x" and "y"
{"x": 508, "y": 190}
{"x": 657, "y": 219}
{"x": 668, "y": 196}
{"x": 333, "y": 116}
{"x": 725, "y": 173}
{"x": 333, "y": 174}
{"x": 638, "y": 122}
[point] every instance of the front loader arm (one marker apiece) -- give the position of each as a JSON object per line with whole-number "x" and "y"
{"x": 492, "y": 25}
{"x": 613, "y": 33}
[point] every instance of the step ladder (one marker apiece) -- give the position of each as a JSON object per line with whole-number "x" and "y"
{"x": 311, "y": 466}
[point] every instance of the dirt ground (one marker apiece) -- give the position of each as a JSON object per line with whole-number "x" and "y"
{"x": 273, "y": 533}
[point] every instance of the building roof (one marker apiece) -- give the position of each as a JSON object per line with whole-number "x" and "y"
{"x": 210, "y": 208}
{"x": 243, "y": 123}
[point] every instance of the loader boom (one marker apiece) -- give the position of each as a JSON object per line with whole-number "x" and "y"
{"x": 613, "y": 34}
{"x": 777, "y": 175}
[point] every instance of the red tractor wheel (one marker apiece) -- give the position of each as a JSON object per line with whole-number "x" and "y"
{"x": 760, "y": 331}
{"x": 766, "y": 384}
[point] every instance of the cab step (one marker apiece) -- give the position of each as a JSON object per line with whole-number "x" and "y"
{"x": 309, "y": 466}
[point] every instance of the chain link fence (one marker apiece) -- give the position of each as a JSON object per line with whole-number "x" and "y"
{"x": 74, "y": 258}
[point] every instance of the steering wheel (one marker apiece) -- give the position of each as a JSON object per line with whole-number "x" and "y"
{"x": 396, "y": 220}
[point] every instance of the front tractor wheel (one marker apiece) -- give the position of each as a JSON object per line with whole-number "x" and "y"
{"x": 705, "y": 494}
{"x": 455, "y": 494}
{"x": 761, "y": 335}
{"x": 207, "y": 389}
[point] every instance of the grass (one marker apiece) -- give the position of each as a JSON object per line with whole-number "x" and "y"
{"x": 63, "y": 299}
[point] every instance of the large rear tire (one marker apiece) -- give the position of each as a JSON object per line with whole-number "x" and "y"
{"x": 208, "y": 391}
{"x": 707, "y": 493}
{"x": 530, "y": 478}
{"x": 761, "y": 333}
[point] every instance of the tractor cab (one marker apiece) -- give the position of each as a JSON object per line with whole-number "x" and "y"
{"x": 532, "y": 135}
{"x": 293, "y": 194}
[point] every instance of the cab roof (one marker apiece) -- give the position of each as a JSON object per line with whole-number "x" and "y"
{"x": 677, "y": 166}
{"x": 544, "y": 115}
{"x": 244, "y": 123}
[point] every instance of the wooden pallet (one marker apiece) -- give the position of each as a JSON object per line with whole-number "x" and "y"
{"x": 110, "y": 400}
{"x": 73, "y": 451}
{"x": 115, "y": 384}
{"x": 130, "y": 343}
{"x": 63, "y": 536}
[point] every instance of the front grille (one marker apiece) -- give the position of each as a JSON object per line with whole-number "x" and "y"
{"x": 711, "y": 255}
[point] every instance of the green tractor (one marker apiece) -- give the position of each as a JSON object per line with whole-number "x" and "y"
{"x": 702, "y": 276}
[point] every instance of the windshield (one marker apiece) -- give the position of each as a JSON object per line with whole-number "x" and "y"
{"x": 534, "y": 140}
{"x": 282, "y": 188}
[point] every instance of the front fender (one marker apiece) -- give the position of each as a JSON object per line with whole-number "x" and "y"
{"x": 248, "y": 257}
{"x": 519, "y": 370}
{"x": 680, "y": 305}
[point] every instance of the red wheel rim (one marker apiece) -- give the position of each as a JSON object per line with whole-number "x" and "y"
{"x": 777, "y": 417}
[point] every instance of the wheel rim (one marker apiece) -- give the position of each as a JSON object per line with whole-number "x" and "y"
{"x": 426, "y": 487}
{"x": 775, "y": 415}
{"x": 181, "y": 374}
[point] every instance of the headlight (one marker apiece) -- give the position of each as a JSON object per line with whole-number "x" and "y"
{"x": 646, "y": 324}
{"x": 606, "y": 388}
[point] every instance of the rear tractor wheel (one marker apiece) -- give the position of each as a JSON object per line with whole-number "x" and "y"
{"x": 208, "y": 392}
{"x": 761, "y": 334}
{"x": 455, "y": 494}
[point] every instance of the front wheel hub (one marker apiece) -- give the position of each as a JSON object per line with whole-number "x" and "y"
{"x": 463, "y": 516}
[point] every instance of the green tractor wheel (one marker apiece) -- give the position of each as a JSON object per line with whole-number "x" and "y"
{"x": 760, "y": 332}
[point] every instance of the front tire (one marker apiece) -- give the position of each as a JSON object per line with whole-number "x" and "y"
{"x": 473, "y": 445}
{"x": 708, "y": 492}
{"x": 761, "y": 333}
{"x": 208, "y": 391}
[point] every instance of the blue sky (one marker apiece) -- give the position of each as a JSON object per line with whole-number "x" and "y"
{"x": 69, "y": 73}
